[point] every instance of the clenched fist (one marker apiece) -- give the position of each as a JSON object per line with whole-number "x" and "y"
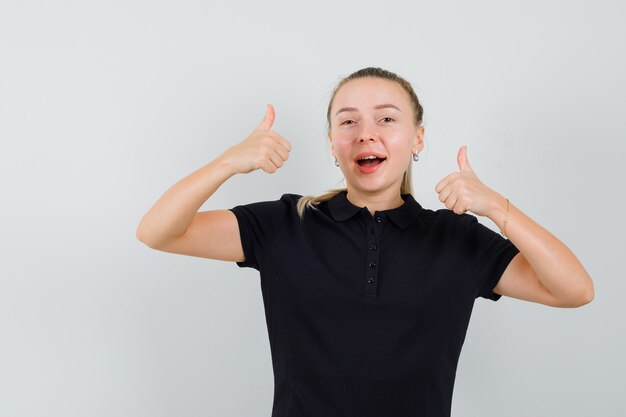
{"x": 262, "y": 149}
{"x": 462, "y": 191}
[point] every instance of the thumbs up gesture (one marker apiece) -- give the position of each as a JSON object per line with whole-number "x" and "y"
{"x": 462, "y": 191}
{"x": 262, "y": 149}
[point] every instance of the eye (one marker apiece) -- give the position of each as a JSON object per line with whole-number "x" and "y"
{"x": 346, "y": 122}
{"x": 390, "y": 119}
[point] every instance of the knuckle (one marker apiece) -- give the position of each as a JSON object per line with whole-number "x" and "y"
{"x": 266, "y": 152}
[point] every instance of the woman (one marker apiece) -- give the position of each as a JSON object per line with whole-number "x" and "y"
{"x": 367, "y": 295}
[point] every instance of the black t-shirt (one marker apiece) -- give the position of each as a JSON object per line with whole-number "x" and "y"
{"x": 366, "y": 315}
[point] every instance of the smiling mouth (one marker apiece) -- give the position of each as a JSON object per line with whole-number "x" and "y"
{"x": 370, "y": 161}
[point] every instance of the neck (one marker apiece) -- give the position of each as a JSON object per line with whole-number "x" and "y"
{"x": 375, "y": 201}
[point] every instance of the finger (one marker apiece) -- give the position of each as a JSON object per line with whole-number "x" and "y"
{"x": 269, "y": 166}
{"x": 450, "y": 201}
{"x": 268, "y": 119}
{"x": 286, "y": 144}
{"x": 282, "y": 140}
{"x": 461, "y": 206}
{"x": 278, "y": 159}
{"x": 464, "y": 165}
{"x": 444, "y": 182}
{"x": 272, "y": 159}
{"x": 444, "y": 194}
{"x": 282, "y": 152}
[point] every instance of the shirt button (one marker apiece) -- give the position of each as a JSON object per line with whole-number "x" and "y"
{"x": 372, "y": 247}
{"x": 378, "y": 219}
{"x": 372, "y": 264}
{"x": 371, "y": 280}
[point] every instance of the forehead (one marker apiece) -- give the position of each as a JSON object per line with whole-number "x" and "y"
{"x": 365, "y": 93}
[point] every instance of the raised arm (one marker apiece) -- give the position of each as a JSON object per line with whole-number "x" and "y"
{"x": 173, "y": 223}
{"x": 545, "y": 271}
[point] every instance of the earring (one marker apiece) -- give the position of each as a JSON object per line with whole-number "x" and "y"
{"x": 416, "y": 157}
{"x": 336, "y": 162}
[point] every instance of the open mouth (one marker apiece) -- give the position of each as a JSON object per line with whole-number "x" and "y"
{"x": 370, "y": 161}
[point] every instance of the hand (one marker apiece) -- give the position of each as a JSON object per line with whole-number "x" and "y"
{"x": 262, "y": 149}
{"x": 462, "y": 191}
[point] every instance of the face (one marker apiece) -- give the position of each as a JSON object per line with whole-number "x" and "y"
{"x": 373, "y": 116}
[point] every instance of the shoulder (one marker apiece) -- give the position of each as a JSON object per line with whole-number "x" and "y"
{"x": 444, "y": 226}
{"x": 269, "y": 216}
{"x": 287, "y": 199}
{"x": 290, "y": 198}
{"x": 281, "y": 207}
{"x": 444, "y": 218}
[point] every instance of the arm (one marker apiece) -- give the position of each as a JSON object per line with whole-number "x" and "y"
{"x": 173, "y": 224}
{"x": 545, "y": 271}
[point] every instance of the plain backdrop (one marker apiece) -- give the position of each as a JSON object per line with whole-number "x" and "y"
{"x": 106, "y": 104}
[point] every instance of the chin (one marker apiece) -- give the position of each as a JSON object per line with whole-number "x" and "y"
{"x": 370, "y": 186}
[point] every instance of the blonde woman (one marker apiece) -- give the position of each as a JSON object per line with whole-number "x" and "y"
{"x": 367, "y": 294}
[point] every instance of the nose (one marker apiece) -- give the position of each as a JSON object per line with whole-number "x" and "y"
{"x": 367, "y": 132}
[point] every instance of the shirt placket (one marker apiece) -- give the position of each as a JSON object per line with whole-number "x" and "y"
{"x": 374, "y": 225}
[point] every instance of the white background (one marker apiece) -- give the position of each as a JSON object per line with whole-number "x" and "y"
{"x": 106, "y": 104}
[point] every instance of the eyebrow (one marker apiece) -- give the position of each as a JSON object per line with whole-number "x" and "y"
{"x": 380, "y": 106}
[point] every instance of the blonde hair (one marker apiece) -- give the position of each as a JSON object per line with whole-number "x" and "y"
{"x": 406, "y": 187}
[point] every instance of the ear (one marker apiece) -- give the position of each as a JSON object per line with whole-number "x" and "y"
{"x": 418, "y": 143}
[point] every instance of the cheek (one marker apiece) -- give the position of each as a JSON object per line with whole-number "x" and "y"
{"x": 341, "y": 142}
{"x": 342, "y": 135}
{"x": 400, "y": 143}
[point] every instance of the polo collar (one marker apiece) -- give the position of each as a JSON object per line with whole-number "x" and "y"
{"x": 342, "y": 209}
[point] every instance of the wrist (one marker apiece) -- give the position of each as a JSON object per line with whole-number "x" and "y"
{"x": 218, "y": 170}
{"x": 500, "y": 212}
{"x": 225, "y": 165}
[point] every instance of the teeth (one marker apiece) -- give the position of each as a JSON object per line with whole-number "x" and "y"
{"x": 369, "y": 157}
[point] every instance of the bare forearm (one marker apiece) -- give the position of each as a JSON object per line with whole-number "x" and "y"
{"x": 170, "y": 216}
{"x": 555, "y": 265}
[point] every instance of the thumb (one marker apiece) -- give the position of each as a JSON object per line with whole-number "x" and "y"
{"x": 268, "y": 119}
{"x": 464, "y": 164}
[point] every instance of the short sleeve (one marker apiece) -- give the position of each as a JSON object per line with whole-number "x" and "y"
{"x": 490, "y": 254}
{"x": 259, "y": 223}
